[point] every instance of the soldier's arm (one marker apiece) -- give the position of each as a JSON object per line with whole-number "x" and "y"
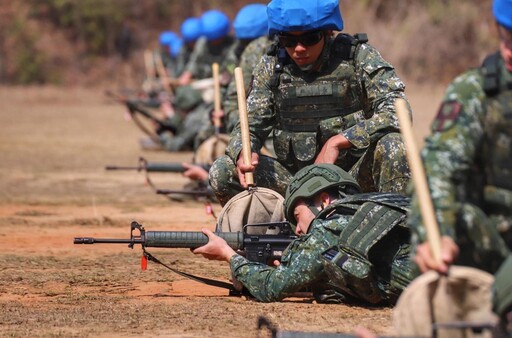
{"x": 381, "y": 87}
{"x": 300, "y": 266}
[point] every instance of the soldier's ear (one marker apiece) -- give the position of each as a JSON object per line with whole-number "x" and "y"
{"x": 325, "y": 199}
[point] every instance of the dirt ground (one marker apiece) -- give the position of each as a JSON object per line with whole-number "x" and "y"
{"x": 54, "y": 145}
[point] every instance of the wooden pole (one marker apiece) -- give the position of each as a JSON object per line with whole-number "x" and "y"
{"x": 216, "y": 97}
{"x": 420, "y": 180}
{"x": 244, "y": 123}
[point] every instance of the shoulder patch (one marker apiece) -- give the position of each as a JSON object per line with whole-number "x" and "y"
{"x": 447, "y": 115}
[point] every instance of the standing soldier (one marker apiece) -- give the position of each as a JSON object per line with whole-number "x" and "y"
{"x": 327, "y": 98}
{"x": 468, "y": 162}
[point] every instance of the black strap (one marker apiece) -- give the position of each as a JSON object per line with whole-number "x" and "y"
{"x": 203, "y": 280}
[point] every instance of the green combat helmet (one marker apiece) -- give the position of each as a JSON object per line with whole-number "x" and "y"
{"x": 187, "y": 98}
{"x": 502, "y": 298}
{"x": 313, "y": 179}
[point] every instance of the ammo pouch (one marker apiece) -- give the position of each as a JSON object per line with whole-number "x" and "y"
{"x": 351, "y": 274}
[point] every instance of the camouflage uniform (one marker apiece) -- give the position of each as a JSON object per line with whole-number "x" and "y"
{"x": 468, "y": 163}
{"x": 192, "y": 115}
{"x": 182, "y": 59}
{"x": 248, "y": 60}
{"x": 358, "y": 247}
{"x": 205, "y": 54}
{"x": 352, "y": 94}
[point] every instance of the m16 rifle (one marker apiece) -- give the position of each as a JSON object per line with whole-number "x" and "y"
{"x": 200, "y": 190}
{"x": 162, "y": 167}
{"x": 135, "y": 110}
{"x": 255, "y": 242}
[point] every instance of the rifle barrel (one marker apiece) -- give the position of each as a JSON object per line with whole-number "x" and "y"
{"x": 115, "y": 167}
{"x": 190, "y": 239}
{"x": 203, "y": 192}
{"x": 169, "y": 239}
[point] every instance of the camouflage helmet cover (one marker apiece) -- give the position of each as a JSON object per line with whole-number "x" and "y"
{"x": 313, "y": 179}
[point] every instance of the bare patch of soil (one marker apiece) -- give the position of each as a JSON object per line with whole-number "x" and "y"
{"x": 55, "y": 144}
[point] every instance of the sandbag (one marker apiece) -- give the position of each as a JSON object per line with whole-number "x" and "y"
{"x": 253, "y": 206}
{"x": 211, "y": 149}
{"x": 463, "y": 296}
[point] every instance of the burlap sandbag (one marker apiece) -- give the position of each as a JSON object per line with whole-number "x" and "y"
{"x": 211, "y": 149}
{"x": 258, "y": 205}
{"x": 463, "y": 296}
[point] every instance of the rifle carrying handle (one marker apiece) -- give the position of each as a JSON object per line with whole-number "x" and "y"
{"x": 244, "y": 124}
{"x": 420, "y": 180}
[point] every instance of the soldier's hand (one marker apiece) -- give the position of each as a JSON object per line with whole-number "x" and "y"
{"x": 216, "y": 248}
{"x": 331, "y": 149}
{"x": 242, "y": 168}
{"x": 194, "y": 172}
{"x": 425, "y": 260}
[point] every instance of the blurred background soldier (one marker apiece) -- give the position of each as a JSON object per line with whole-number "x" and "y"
{"x": 190, "y": 32}
{"x": 468, "y": 163}
{"x": 251, "y": 27}
{"x": 250, "y": 23}
{"x": 167, "y": 40}
{"x": 191, "y": 114}
{"x": 212, "y": 47}
{"x": 326, "y": 97}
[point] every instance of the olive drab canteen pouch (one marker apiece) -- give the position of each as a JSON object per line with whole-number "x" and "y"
{"x": 310, "y": 112}
{"x": 348, "y": 265}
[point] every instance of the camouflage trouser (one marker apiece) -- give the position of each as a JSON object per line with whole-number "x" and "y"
{"x": 481, "y": 245}
{"x": 382, "y": 167}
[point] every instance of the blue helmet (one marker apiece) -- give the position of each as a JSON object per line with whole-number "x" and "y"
{"x": 300, "y": 15}
{"x": 502, "y": 10}
{"x": 167, "y": 37}
{"x": 191, "y": 29}
{"x": 214, "y": 24}
{"x": 175, "y": 47}
{"x": 251, "y": 22}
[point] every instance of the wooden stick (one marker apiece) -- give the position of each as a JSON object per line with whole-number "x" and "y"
{"x": 162, "y": 72}
{"x": 216, "y": 97}
{"x": 420, "y": 180}
{"x": 244, "y": 123}
{"x": 148, "y": 62}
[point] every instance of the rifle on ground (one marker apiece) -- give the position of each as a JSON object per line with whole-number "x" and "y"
{"x": 204, "y": 192}
{"x": 162, "y": 167}
{"x": 263, "y": 248}
{"x": 134, "y": 108}
{"x": 168, "y": 167}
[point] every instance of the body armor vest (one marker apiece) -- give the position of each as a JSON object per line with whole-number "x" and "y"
{"x": 312, "y": 107}
{"x": 497, "y": 143}
{"x": 351, "y": 265}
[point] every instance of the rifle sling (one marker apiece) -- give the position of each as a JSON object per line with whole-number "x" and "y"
{"x": 203, "y": 280}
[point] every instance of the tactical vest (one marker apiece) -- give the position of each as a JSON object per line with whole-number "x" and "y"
{"x": 355, "y": 265}
{"x": 497, "y": 143}
{"x": 312, "y": 107}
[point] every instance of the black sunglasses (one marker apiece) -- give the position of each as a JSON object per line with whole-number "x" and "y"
{"x": 307, "y": 39}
